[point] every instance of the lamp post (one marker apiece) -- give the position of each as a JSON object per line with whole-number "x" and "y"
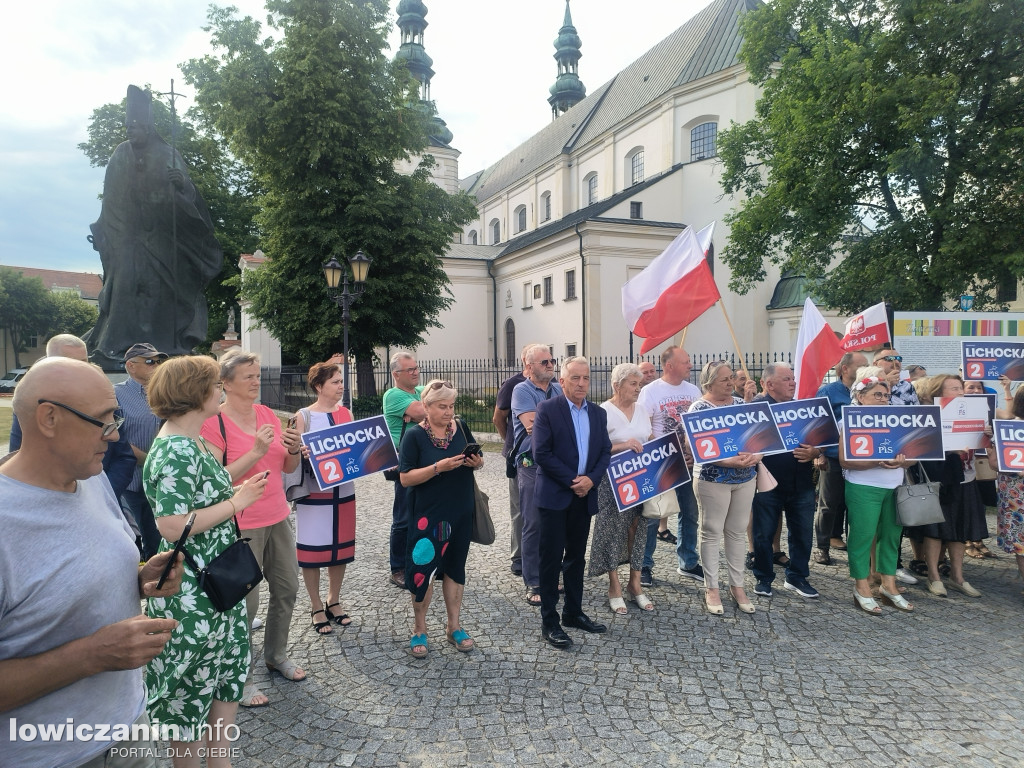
{"x": 335, "y": 274}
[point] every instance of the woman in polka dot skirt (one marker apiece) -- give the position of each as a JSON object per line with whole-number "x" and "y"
{"x": 434, "y": 466}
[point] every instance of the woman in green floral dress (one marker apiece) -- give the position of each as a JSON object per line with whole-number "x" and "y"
{"x": 196, "y": 682}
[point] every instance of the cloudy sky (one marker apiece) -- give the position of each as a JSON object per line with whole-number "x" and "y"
{"x": 493, "y": 63}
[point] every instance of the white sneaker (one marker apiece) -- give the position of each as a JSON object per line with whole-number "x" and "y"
{"x": 257, "y": 623}
{"x": 905, "y": 577}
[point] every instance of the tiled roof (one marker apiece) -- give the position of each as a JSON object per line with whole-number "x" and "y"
{"x": 707, "y": 43}
{"x": 473, "y": 252}
{"x": 87, "y": 284}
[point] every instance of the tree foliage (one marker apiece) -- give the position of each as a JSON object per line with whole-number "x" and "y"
{"x": 890, "y": 133}
{"x": 321, "y": 115}
{"x": 70, "y": 313}
{"x": 25, "y": 309}
{"x": 225, "y": 184}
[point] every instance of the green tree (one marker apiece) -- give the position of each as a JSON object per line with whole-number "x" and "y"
{"x": 225, "y": 184}
{"x": 25, "y": 309}
{"x": 321, "y": 115}
{"x": 885, "y": 157}
{"x": 70, "y": 313}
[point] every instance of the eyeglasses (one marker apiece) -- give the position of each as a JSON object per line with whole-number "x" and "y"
{"x": 880, "y": 395}
{"x": 440, "y": 385}
{"x": 891, "y": 358}
{"x": 548, "y": 361}
{"x": 414, "y": 369}
{"x": 108, "y": 428}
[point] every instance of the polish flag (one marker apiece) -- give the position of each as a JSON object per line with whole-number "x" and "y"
{"x": 868, "y": 329}
{"x": 817, "y": 350}
{"x": 673, "y": 291}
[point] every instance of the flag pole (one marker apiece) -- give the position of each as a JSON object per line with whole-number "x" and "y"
{"x": 739, "y": 352}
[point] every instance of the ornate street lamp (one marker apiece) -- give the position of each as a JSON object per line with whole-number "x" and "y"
{"x": 335, "y": 273}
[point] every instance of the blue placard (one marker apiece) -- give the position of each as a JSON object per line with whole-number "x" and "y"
{"x": 345, "y": 452}
{"x": 881, "y": 432}
{"x": 806, "y": 422}
{"x": 637, "y": 477}
{"x": 986, "y": 360}
{"x": 1008, "y": 436}
{"x": 721, "y": 433}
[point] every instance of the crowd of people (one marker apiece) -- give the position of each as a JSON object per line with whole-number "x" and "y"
{"x": 210, "y": 466}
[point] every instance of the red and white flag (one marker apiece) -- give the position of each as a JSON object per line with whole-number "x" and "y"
{"x": 868, "y": 329}
{"x": 817, "y": 350}
{"x": 673, "y": 291}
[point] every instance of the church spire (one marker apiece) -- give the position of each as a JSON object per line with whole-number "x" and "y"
{"x": 568, "y": 90}
{"x": 412, "y": 23}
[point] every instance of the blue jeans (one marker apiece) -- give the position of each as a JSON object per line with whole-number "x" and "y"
{"x": 798, "y": 504}
{"x": 399, "y": 529}
{"x": 686, "y": 544}
{"x": 136, "y": 504}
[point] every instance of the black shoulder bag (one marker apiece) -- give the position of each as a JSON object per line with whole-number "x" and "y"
{"x": 391, "y": 475}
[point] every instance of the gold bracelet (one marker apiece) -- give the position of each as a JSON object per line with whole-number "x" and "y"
{"x": 234, "y": 511}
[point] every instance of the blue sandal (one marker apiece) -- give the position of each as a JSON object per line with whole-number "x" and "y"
{"x": 418, "y": 641}
{"x": 458, "y": 638}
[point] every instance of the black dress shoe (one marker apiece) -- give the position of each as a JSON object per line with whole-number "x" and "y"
{"x": 557, "y": 637}
{"x": 584, "y": 622}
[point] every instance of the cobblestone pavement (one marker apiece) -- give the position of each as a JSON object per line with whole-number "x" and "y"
{"x": 799, "y": 682}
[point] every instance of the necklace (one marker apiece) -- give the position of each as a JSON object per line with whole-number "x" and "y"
{"x": 439, "y": 442}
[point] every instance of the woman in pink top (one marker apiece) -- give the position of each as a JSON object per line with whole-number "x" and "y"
{"x": 253, "y": 442}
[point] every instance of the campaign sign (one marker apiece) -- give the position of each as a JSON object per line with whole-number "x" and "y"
{"x": 347, "y": 451}
{"x": 806, "y": 422}
{"x": 963, "y": 422}
{"x": 1009, "y": 444}
{"x": 990, "y": 399}
{"x": 637, "y": 477}
{"x": 721, "y": 433}
{"x": 992, "y": 359}
{"x": 884, "y": 431}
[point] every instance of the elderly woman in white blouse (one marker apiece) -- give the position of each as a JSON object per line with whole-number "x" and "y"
{"x": 615, "y": 534}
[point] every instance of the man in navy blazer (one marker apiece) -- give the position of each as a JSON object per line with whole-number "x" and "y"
{"x": 572, "y": 449}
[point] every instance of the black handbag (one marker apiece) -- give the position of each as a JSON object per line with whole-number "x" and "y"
{"x": 231, "y": 575}
{"x": 391, "y": 475}
{"x": 511, "y": 467}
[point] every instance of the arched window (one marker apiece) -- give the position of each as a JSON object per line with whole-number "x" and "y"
{"x": 510, "y": 342}
{"x": 472, "y": 237}
{"x": 590, "y": 189}
{"x": 635, "y": 166}
{"x": 521, "y": 218}
{"x": 495, "y": 231}
{"x": 703, "y": 141}
{"x": 545, "y": 207}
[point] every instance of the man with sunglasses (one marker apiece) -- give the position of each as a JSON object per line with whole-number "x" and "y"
{"x": 140, "y": 427}
{"x": 72, "y": 640}
{"x": 538, "y": 387}
{"x": 901, "y": 391}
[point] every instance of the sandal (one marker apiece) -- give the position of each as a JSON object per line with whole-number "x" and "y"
{"x": 973, "y": 550}
{"x": 667, "y": 536}
{"x": 985, "y": 551}
{"x": 533, "y": 596}
{"x": 249, "y": 695}
{"x": 459, "y": 638}
{"x": 420, "y": 642}
{"x": 288, "y": 670}
{"x": 642, "y": 601}
{"x": 866, "y": 604}
{"x": 341, "y": 619}
{"x": 899, "y": 602}
{"x": 618, "y": 605}
{"x": 780, "y": 558}
{"x": 321, "y": 627}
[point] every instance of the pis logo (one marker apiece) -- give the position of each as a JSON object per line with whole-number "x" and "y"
{"x": 857, "y": 324}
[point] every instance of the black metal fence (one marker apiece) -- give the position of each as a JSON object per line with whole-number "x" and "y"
{"x": 478, "y": 382}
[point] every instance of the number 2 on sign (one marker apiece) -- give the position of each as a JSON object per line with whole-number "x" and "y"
{"x": 861, "y": 445}
{"x": 628, "y": 493}
{"x": 1013, "y": 458}
{"x": 975, "y": 371}
{"x": 331, "y": 470}
{"x": 707, "y": 448}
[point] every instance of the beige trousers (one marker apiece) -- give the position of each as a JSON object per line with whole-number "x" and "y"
{"x": 274, "y": 548}
{"x": 724, "y": 510}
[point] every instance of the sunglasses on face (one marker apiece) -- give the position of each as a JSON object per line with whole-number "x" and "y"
{"x": 545, "y": 362}
{"x": 108, "y": 428}
{"x": 892, "y": 358}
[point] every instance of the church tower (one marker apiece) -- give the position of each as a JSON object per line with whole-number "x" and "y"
{"x": 412, "y": 23}
{"x": 568, "y": 90}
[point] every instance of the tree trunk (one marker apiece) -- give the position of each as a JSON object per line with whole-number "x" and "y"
{"x": 366, "y": 385}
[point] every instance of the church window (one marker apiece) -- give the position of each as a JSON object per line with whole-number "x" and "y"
{"x": 495, "y": 231}
{"x": 636, "y": 167}
{"x": 703, "y": 141}
{"x": 590, "y": 185}
{"x": 636, "y": 209}
{"x": 472, "y": 237}
{"x": 521, "y": 218}
{"x": 510, "y": 342}
{"x": 570, "y": 284}
{"x": 545, "y": 206}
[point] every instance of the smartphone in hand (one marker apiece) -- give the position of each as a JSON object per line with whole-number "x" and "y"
{"x": 177, "y": 548}
{"x": 471, "y": 450}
